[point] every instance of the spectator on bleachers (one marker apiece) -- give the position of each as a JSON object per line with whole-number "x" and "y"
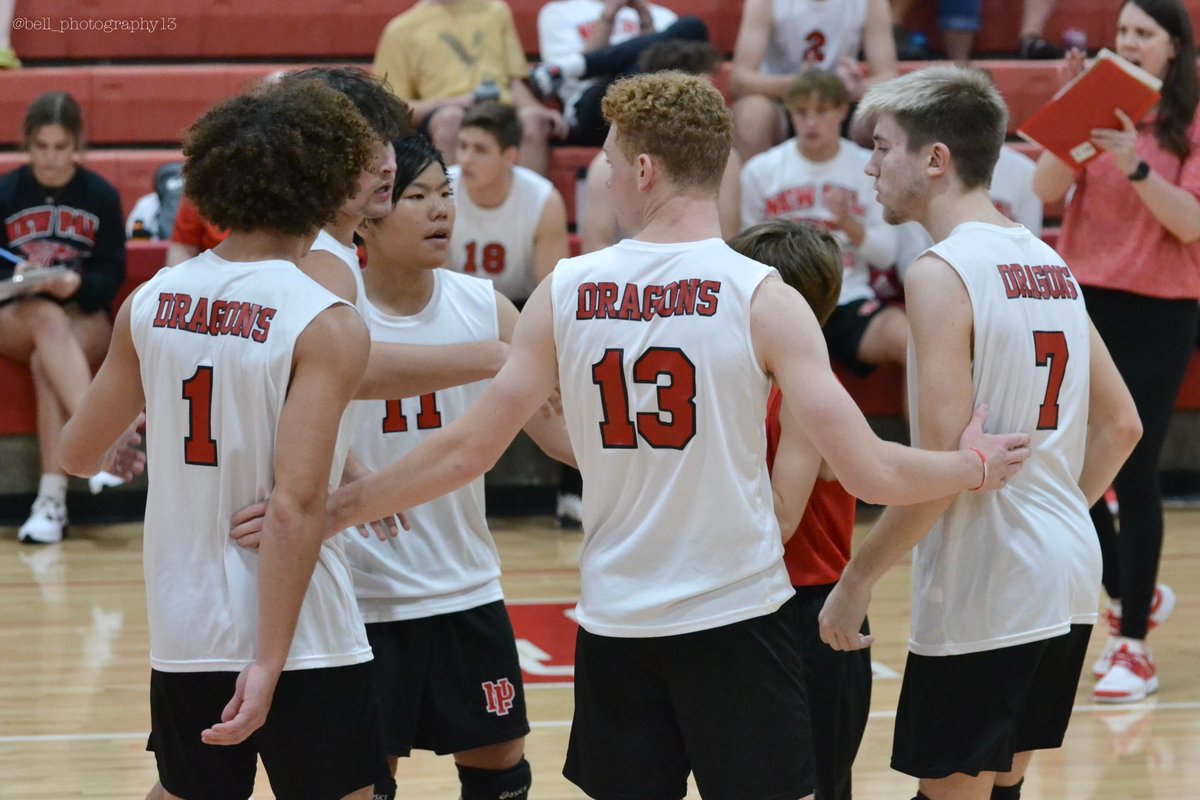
{"x": 58, "y": 213}
{"x": 442, "y": 55}
{"x": 598, "y": 224}
{"x": 511, "y": 223}
{"x": 960, "y": 20}
{"x": 780, "y": 38}
{"x": 192, "y": 234}
{"x": 587, "y": 44}
{"x": 817, "y": 178}
{"x": 1131, "y": 234}
{"x": 8, "y": 56}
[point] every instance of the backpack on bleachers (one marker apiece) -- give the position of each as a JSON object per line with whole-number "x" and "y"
{"x": 153, "y": 216}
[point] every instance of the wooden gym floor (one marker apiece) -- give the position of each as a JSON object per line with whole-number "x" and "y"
{"x": 74, "y": 678}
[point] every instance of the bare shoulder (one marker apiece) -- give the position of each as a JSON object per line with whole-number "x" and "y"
{"x": 331, "y": 273}
{"x": 336, "y": 338}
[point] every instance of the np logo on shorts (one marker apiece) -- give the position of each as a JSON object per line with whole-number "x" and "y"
{"x": 499, "y": 696}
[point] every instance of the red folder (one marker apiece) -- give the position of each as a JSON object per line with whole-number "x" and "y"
{"x": 1064, "y": 125}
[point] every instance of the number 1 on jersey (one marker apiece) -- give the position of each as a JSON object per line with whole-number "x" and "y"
{"x": 1050, "y": 349}
{"x": 199, "y": 448}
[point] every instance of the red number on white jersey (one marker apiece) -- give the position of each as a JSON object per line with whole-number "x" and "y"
{"x": 1050, "y": 348}
{"x": 199, "y": 448}
{"x": 815, "y": 52}
{"x": 428, "y": 416}
{"x": 491, "y": 258}
{"x": 676, "y": 399}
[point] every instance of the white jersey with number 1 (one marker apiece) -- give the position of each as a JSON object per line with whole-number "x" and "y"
{"x": 215, "y": 341}
{"x": 1022, "y": 564}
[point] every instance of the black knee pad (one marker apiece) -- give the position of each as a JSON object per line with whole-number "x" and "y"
{"x": 489, "y": 784}
{"x": 1008, "y": 792}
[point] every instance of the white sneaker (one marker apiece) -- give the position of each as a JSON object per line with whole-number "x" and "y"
{"x": 47, "y": 523}
{"x": 1161, "y": 607}
{"x": 103, "y": 480}
{"x": 1131, "y": 678}
{"x": 569, "y": 512}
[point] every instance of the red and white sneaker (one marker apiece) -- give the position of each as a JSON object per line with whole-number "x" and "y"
{"x": 1131, "y": 678}
{"x": 1161, "y": 607}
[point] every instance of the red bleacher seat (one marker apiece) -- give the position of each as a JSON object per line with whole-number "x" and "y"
{"x": 130, "y": 171}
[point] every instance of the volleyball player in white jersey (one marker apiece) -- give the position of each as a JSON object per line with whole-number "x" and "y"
{"x": 665, "y": 345}
{"x": 1005, "y": 586}
{"x": 817, "y": 178}
{"x": 447, "y": 669}
{"x": 778, "y": 39}
{"x": 512, "y": 222}
{"x": 245, "y": 365}
{"x": 393, "y": 370}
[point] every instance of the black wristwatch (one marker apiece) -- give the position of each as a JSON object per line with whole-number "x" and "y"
{"x": 1140, "y": 172}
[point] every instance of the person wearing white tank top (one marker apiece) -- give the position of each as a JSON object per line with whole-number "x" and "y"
{"x": 511, "y": 225}
{"x": 778, "y": 39}
{"x": 664, "y": 346}
{"x": 432, "y": 595}
{"x": 1005, "y": 586}
{"x": 245, "y": 365}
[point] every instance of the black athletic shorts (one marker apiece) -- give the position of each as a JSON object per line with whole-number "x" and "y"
{"x": 971, "y": 713}
{"x": 320, "y": 740}
{"x": 839, "y": 693}
{"x": 844, "y": 333}
{"x": 450, "y": 682}
{"x": 727, "y": 704}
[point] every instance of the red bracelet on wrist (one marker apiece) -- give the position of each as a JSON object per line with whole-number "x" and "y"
{"x": 983, "y": 461}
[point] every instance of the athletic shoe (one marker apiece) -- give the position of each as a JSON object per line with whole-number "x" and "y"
{"x": 1110, "y": 500}
{"x": 546, "y": 79}
{"x": 1161, "y": 606}
{"x": 1132, "y": 677}
{"x": 47, "y": 522}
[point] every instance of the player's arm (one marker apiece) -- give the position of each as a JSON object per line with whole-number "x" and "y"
{"x": 550, "y": 236}
{"x": 472, "y": 444}
{"x": 1114, "y": 427}
{"x": 111, "y": 404}
{"x": 879, "y": 43}
{"x": 328, "y": 362}
{"x": 790, "y": 347}
{"x": 797, "y": 463}
{"x": 409, "y": 370}
{"x": 939, "y": 312}
{"x": 754, "y": 36}
{"x": 729, "y": 196}
{"x": 546, "y": 427}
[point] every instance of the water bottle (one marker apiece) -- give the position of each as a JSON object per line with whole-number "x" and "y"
{"x": 487, "y": 91}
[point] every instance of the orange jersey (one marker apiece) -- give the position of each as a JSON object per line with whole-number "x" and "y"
{"x": 818, "y": 551}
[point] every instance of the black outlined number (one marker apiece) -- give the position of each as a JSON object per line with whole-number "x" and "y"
{"x": 1050, "y": 349}
{"x": 199, "y": 448}
{"x": 677, "y": 399}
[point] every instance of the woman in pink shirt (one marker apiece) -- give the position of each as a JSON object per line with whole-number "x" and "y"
{"x": 1131, "y": 235}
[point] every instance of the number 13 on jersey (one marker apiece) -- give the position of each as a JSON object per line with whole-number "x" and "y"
{"x": 676, "y": 399}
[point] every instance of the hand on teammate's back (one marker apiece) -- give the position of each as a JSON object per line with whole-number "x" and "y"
{"x": 1005, "y": 453}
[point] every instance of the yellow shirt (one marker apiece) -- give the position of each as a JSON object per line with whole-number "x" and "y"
{"x": 437, "y": 51}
